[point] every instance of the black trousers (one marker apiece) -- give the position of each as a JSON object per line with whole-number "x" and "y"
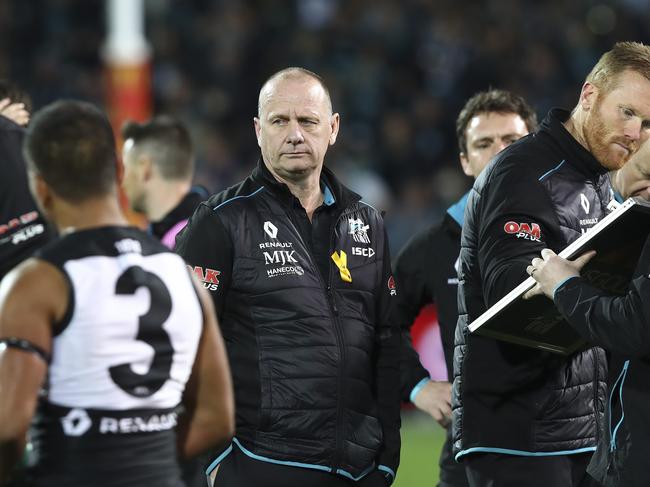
{"x": 497, "y": 470}
{"x": 452, "y": 473}
{"x": 239, "y": 470}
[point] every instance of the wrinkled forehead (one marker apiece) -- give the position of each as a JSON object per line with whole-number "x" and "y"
{"x": 293, "y": 94}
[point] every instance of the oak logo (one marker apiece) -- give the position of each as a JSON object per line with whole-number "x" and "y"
{"x": 527, "y": 231}
{"x": 391, "y": 286}
{"x": 209, "y": 277}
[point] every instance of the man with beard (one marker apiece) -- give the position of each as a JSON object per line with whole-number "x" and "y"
{"x": 523, "y": 417}
{"x": 620, "y": 325}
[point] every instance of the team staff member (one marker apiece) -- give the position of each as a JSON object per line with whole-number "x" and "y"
{"x": 112, "y": 322}
{"x": 158, "y": 171}
{"x": 22, "y": 228}
{"x": 425, "y": 268}
{"x": 520, "y": 416}
{"x": 621, "y": 326}
{"x": 299, "y": 270}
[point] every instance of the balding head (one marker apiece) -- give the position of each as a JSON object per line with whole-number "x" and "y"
{"x": 295, "y": 125}
{"x": 290, "y": 74}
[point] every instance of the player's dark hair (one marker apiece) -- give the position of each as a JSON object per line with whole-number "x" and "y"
{"x": 71, "y": 145}
{"x": 493, "y": 101}
{"x": 167, "y": 141}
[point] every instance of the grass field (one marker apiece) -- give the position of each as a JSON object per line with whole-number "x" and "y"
{"x": 422, "y": 439}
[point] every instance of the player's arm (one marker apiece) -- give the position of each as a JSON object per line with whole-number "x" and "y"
{"x": 516, "y": 223}
{"x": 617, "y": 323}
{"x": 32, "y": 297}
{"x": 209, "y": 417}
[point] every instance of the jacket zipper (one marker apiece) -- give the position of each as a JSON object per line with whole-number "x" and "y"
{"x": 334, "y": 317}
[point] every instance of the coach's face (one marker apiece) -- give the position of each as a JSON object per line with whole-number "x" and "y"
{"x": 618, "y": 121}
{"x": 295, "y": 127}
{"x": 486, "y": 135}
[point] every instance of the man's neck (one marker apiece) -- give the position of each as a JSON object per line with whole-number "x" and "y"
{"x": 98, "y": 212}
{"x": 575, "y": 125}
{"x": 164, "y": 196}
{"x": 307, "y": 190}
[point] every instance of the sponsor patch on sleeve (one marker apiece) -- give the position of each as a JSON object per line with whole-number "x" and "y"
{"x": 209, "y": 277}
{"x": 391, "y": 286}
{"x": 527, "y": 231}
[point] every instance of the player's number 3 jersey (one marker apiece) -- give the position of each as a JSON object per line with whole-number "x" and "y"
{"x": 120, "y": 359}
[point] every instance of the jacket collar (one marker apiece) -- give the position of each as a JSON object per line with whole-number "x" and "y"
{"x": 578, "y": 156}
{"x": 182, "y": 211}
{"x": 457, "y": 210}
{"x": 335, "y": 192}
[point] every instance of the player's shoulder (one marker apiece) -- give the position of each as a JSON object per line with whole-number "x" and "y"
{"x": 108, "y": 241}
{"x": 234, "y": 196}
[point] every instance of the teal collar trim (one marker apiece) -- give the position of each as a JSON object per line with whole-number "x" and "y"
{"x": 457, "y": 210}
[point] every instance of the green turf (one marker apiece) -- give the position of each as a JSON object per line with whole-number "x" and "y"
{"x": 422, "y": 439}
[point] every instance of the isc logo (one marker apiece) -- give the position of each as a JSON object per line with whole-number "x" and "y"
{"x": 363, "y": 251}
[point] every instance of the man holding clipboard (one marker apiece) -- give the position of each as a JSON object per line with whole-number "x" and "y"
{"x": 620, "y": 324}
{"x": 523, "y": 417}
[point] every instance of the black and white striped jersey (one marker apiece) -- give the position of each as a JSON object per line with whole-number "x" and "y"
{"x": 120, "y": 362}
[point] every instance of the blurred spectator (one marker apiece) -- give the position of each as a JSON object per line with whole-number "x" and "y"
{"x": 398, "y": 68}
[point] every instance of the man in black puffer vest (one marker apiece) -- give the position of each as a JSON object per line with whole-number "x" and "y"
{"x": 299, "y": 270}
{"x": 523, "y": 417}
{"x": 620, "y": 325}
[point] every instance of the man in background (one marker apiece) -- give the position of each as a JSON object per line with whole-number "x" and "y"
{"x": 158, "y": 170}
{"x": 425, "y": 269}
{"x": 22, "y": 227}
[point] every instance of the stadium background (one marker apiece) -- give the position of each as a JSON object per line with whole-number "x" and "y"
{"x": 399, "y": 72}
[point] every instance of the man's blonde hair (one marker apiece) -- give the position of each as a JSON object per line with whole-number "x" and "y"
{"x": 624, "y": 56}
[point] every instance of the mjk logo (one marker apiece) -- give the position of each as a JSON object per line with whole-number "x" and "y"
{"x": 280, "y": 257}
{"x": 584, "y": 202}
{"x": 270, "y": 229}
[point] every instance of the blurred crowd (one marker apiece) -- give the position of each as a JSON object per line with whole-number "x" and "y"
{"x": 399, "y": 72}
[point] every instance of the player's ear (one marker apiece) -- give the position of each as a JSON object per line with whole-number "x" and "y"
{"x": 40, "y": 190}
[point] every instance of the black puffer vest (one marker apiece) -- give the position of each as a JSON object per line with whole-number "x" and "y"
{"x": 302, "y": 346}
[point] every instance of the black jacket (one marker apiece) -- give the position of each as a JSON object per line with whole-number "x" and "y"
{"x": 173, "y": 222}
{"x": 425, "y": 273}
{"x": 542, "y": 191}
{"x": 622, "y": 326}
{"x": 22, "y": 227}
{"x": 315, "y": 360}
